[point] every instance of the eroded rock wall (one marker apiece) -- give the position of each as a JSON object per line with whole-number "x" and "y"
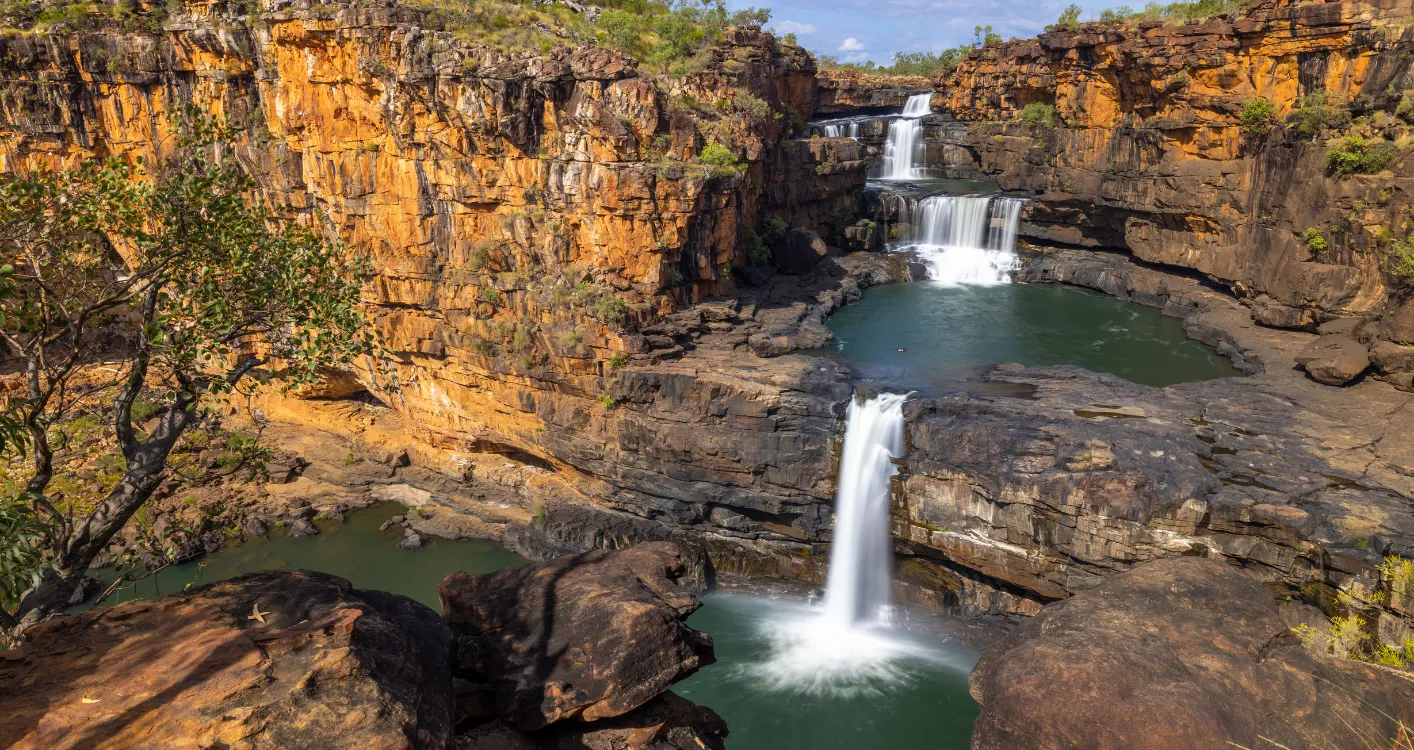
{"x": 1150, "y": 156}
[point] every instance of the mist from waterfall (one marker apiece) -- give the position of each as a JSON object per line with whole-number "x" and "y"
{"x": 968, "y": 239}
{"x": 904, "y": 145}
{"x": 848, "y": 643}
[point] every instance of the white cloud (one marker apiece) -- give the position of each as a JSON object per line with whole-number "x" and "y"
{"x": 791, "y": 27}
{"x": 852, "y": 45}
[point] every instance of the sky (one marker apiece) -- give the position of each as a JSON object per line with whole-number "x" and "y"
{"x": 859, "y": 30}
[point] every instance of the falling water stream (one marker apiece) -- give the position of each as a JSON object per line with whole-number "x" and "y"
{"x": 965, "y": 239}
{"x": 904, "y": 145}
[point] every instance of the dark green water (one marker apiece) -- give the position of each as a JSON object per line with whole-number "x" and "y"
{"x": 781, "y": 687}
{"x": 776, "y": 691}
{"x": 950, "y": 333}
{"x": 356, "y": 550}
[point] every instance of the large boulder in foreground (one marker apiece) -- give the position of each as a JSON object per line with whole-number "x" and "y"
{"x": 589, "y": 636}
{"x": 1178, "y": 654}
{"x": 269, "y": 660}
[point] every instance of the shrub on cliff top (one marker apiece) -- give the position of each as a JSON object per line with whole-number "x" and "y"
{"x": 716, "y": 155}
{"x": 1069, "y": 19}
{"x": 927, "y": 64}
{"x": 1258, "y": 117}
{"x": 1179, "y": 11}
{"x": 1039, "y": 115}
{"x": 1354, "y": 155}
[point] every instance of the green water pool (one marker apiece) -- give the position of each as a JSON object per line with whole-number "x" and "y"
{"x": 948, "y": 334}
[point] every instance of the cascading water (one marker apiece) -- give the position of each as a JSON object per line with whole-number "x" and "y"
{"x": 847, "y": 643}
{"x": 858, "y": 588}
{"x": 904, "y": 145}
{"x": 967, "y": 239}
{"x": 841, "y": 130}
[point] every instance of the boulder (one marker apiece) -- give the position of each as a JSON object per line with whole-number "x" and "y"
{"x": 590, "y": 636}
{"x": 665, "y": 723}
{"x": 801, "y": 251}
{"x": 278, "y": 659}
{"x": 1177, "y": 654}
{"x": 1335, "y": 360}
{"x": 1389, "y": 357}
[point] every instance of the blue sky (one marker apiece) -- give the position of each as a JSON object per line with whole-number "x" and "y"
{"x": 858, "y": 30}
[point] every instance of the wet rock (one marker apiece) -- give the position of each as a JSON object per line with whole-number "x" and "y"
{"x": 590, "y": 636}
{"x": 303, "y": 527}
{"x": 1177, "y": 654}
{"x": 801, "y": 251}
{"x": 270, "y": 660}
{"x": 668, "y": 722}
{"x": 255, "y": 526}
{"x": 1335, "y": 359}
{"x": 411, "y": 540}
{"x": 88, "y": 588}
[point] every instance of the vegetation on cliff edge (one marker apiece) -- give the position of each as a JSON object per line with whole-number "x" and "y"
{"x": 168, "y": 274}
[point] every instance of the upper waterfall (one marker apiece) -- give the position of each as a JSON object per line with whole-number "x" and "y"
{"x": 904, "y": 145}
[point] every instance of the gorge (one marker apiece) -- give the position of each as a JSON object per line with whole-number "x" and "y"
{"x": 620, "y": 306}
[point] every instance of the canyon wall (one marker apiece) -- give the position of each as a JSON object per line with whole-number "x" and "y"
{"x": 1149, "y": 155}
{"x": 539, "y": 226}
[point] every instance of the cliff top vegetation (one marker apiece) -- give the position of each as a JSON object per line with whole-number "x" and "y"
{"x": 918, "y": 63}
{"x": 666, "y": 36}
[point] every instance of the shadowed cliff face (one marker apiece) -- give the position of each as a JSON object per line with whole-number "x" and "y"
{"x": 1150, "y": 156}
{"x": 528, "y": 217}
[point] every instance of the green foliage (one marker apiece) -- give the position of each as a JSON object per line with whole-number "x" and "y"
{"x": 490, "y": 295}
{"x": 1398, "y": 574}
{"x": 1316, "y": 112}
{"x": 607, "y": 402}
{"x": 984, "y": 36}
{"x": 618, "y": 361}
{"x": 774, "y": 230}
{"x": 24, "y": 538}
{"x": 1258, "y": 117}
{"x": 756, "y": 250}
{"x": 1069, "y": 19}
{"x": 1405, "y": 109}
{"x": 1039, "y": 115}
{"x": 926, "y": 64}
{"x": 1178, "y": 11}
{"x": 1354, "y": 155}
{"x": 1401, "y": 256}
{"x": 1315, "y": 240}
{"x": 717, "y": 156}
{"x": 67, "y": 16}
{"x": 666, "y": 36}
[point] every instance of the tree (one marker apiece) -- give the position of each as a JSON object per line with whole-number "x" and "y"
{"x": 1069, "y": 19}
{"x": 181, "y": 274}
{"x": 984, "y": 36}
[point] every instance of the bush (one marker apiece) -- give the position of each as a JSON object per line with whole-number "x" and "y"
{"x": 717, "y": 156}
{"x": 1315, "y": 240}
{"x": 774, "y": 230}
{"x": 1405, "y": 110}
{"x": 1258, "y": 117}
{"x": 1316, "y": 112}
{"x": 607, "y": 402}
{"x": 1401, "y": 255}
{"x": 1039, "y": 115}
{"x": 927, "y": 64}
{"x": 757, "y": 250}
{"x": 1069, "y": 19}
{"x": 1354, "y": 155}
{"x": 618, "y": 361}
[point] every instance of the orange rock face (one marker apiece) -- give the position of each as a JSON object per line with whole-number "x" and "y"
{"x": 1151, "y": 157}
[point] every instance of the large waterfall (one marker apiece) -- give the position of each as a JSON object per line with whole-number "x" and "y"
{"x": 858, "y": 588}
{"x": 967, "y": 239}
{"x": 905, "y": 145}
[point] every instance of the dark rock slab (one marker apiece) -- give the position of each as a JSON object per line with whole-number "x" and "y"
{"x": 1181, "y": 653}
{"x": 665, "y": 723}
{"x": 1335, "y": 359}
{"x": 590, "y": 636}
{"x": 269, "y": 660}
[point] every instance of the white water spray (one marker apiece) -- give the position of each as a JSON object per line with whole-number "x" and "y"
{"x": 841, "y": 130}
{"x": 904, "y": 145}
{"x": 858, "y": 588}
{"x": 964, "y": 239}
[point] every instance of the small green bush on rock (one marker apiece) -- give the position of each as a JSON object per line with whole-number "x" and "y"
{"x": 1039, "y": 115}
{"x": 1258, "y": 117}
{"x": 1318, "y": 111}
{"x": 1355, "y": 155}
{"x": 1315, "y": 241}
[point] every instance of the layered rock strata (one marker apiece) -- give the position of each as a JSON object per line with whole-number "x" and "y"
{"x": 1182, "y": 653}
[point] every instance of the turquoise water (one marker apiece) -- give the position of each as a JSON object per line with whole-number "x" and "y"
{"x": 355, "y": 549}
{"x": 951, "y": 333}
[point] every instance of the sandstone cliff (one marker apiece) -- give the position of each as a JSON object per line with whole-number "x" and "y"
{"x": 1150, "y": 156}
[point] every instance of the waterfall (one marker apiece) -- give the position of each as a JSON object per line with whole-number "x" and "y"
{"x": 858, "y": 587}
{"x": 967, "y": 239}
{"x": 904, "y": 144}
{"x": 841, "y": 130}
